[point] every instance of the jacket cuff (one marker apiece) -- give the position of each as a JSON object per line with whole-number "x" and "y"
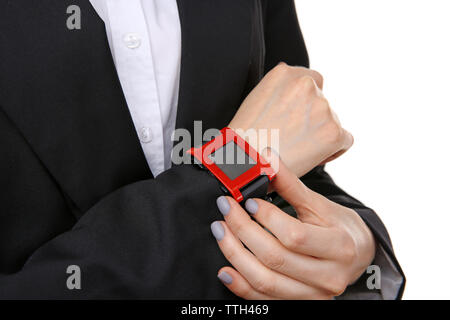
{"x": 388, "y": 287}
{"x": 392, "y": 277}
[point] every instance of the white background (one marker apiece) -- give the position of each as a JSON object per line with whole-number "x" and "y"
{"x": 386, "y": 68}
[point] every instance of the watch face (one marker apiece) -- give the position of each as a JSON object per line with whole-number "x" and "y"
{"x": 232, "y": 160}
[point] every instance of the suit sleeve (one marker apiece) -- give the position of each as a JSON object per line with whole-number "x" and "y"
{"x": 150, "y": 239}
{"x": 284, "y": 42}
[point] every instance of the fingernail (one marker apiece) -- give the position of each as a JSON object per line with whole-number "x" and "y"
{"x": 251, "y": 206}
{"x": 223, "y": 205}
{"x": 225, "y": 277}
{"x": 217, "y": 230}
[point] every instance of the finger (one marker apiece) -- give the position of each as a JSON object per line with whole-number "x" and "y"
{"x": 348, "y": 140}
{"x": 333, "y": 157}
{"x": 317, "y": 77}
{"x": 237, "y": 284}
{"x": 296, "y": 236}
{"x": 302, "y": 267}
{"x": 287, "y": 184}
{"x": 261, "y": 278}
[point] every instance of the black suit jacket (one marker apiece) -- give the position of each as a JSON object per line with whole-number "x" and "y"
{"x": 75, "y": 186}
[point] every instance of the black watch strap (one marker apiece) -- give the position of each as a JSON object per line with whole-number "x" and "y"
{"x": 256, "y": 189}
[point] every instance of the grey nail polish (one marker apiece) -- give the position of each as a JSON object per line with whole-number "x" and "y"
{"x": 251, "y": 206}
{"x": 225, "y": 277}
{"x": 223, "y": 205}
{"x": 217, "y": 230}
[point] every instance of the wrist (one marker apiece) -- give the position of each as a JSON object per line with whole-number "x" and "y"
{"x": 259, "y": 139}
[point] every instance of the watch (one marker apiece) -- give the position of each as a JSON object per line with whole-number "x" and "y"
{"x": 242, "y": 172}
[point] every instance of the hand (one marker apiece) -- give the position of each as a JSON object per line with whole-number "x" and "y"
{"x": 290, "y": 99}
{"x": 313, "y": 257}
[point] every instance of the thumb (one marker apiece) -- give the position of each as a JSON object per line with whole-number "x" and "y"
{"x": 307, "y": 203}
{"x": 286, "y": 183}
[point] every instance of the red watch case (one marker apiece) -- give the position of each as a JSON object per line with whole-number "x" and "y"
{"x": 261, "y": 166}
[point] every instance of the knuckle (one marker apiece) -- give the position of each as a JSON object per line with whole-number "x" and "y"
{"x": 348, "y": 252}
{"x": 337, "y": 285}
{"x": 352, "y": 139}
{"x": 281, "y": 69}
{"x": 333, "y": 132}
{"x": 317, "y": 77}
{"x": 322, "y": 108}
{"x": 323, "y": 105}
{"x": 264, "y": 209}
{"x": 264, "y": 286}
{"x": 270, "y": 215}
{"x": 237, "y": 226}
{"x": 245, "y": 292}
{"x": 295, "y": 239}
{"x": 273, "y": 260}
{"x": 322, "y": 296}
{"x": 229, "y": 253}
{"x": 306, "y": 84}
{"x": 277, "y": 74}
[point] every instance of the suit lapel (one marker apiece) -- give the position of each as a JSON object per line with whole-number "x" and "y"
{"x": 60, "y": 88}
{"x": 215, "y": 60}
